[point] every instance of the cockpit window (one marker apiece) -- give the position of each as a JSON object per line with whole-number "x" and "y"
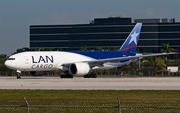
{"x": 11, "y": 58}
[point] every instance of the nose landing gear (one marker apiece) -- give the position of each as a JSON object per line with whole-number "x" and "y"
{"x": 18, "y": 73}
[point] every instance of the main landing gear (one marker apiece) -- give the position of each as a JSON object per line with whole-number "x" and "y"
{"x": 66, "y": 75}
{"x": 90, "y": 76}
{"x": 18, "y": 73}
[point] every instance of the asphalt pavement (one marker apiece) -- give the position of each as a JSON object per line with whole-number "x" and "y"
{"x": 80, "y": 83}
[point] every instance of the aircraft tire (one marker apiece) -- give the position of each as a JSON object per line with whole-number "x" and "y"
{"x": 68, "y": 76}
{"x": 71, "y": 76}
{"x": 94, "y": 76}
{"x": 90, "y": 76}
{"x": 18, "y": 75}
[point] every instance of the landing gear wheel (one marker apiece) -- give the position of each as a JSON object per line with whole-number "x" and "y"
{"x": 71, "y": 76}
{"x": 18, "y": 73}
{"x": 94, "y": 76}
{"x": 90, "y": 76}
{"x": 18, "y": 76}
{"x": 62, "y": 76}
{"x": 66, "y": 76}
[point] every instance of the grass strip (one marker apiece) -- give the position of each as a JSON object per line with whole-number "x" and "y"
{"x": 90, "y": 98}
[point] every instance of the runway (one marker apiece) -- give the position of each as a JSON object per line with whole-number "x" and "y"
{"x": 79, "y": 83}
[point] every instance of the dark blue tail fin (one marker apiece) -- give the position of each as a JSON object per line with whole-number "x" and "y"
{"x": 131, "y": 42}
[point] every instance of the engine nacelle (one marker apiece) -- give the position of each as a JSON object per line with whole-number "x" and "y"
{"x": 79, "y": 69}
{"x": 37, "y": 73}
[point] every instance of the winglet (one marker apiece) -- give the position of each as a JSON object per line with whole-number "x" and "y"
{"x": 131, "y": 42}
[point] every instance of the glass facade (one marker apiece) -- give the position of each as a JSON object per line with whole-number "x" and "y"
{"x": 151, "y": 39}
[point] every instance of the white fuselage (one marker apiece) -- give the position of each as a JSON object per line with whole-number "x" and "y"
{"x": 49, "y": 61}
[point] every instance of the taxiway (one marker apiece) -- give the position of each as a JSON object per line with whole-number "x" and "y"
{"x": 79, "y": 83}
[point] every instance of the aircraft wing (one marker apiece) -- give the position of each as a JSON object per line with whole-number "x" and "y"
{"x": 101, "y": 61}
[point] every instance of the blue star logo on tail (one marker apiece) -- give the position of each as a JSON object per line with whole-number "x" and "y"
{"x": 131, "y": 42}
{"x": 134, "y": 38}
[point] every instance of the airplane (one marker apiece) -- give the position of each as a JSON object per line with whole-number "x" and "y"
{"x": 77, "y": 63}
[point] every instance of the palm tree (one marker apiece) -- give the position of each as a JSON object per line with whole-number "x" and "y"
{"x": 166, "y": 49}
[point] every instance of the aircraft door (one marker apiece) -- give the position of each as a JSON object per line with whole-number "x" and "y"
{"x": 26, "y": 60}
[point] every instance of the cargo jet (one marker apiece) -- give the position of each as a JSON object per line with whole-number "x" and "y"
{"x": 77, "y": 63}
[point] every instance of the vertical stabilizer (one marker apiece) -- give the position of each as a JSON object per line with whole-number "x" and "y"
{"x": 130, "y": 43}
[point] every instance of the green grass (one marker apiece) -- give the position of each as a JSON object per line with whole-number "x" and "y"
{"x": 89, "y": 98}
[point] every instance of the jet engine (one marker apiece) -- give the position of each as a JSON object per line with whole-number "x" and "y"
{"x": 37, "y": 73}
{"x": 79, "y": 69}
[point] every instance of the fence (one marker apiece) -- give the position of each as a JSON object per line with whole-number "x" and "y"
{"x": 138, "y": 74}
{"x": 104, "y": 73}
{"x": 87, "y": 109}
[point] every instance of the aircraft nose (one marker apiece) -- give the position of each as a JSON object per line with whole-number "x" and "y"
{"x": 9, "y": 64}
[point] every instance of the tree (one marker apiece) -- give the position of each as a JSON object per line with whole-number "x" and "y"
{"x": 149, "y": 61}
{"x": 49, "y": 49}
{"x": 166, "y": 49}
{"x": 126, "y": 68}
{"x": 3, "y": 56}
{"x": 4, "y": 68}
{"x": 41, "y": 49}
{"x": 161, "y": 66}
{"x": 149, "y": 65}
{"x": 83, "y": 48}
{"x": 98, "y": 48}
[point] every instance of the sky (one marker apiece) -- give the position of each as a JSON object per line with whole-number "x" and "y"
{"x": 17, "y": 15}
